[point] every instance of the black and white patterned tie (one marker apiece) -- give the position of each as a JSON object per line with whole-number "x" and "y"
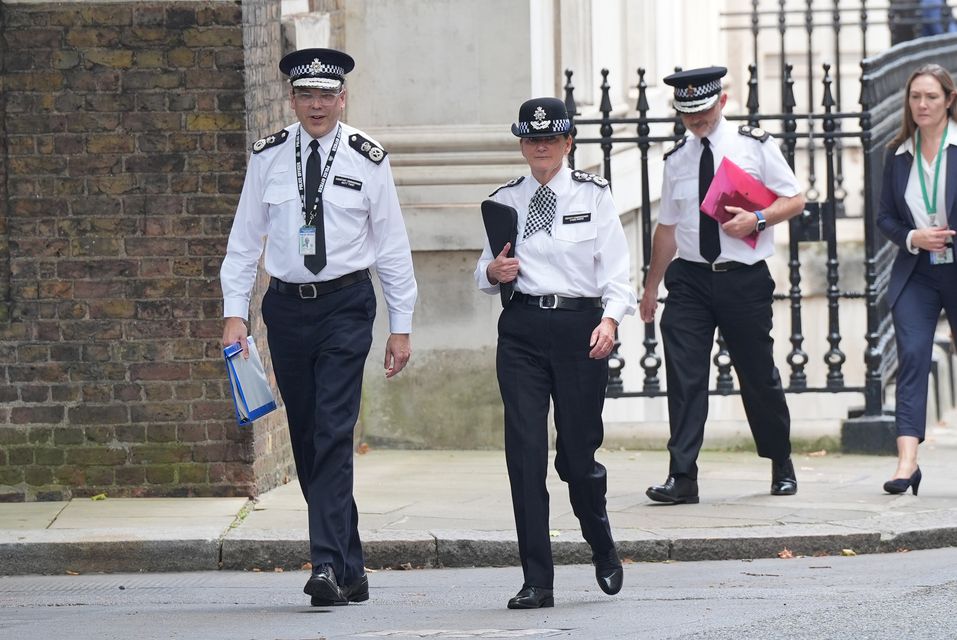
{"x": 541, "y": 212}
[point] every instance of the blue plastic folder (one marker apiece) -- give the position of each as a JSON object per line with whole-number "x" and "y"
{"x": 252, "y": 396}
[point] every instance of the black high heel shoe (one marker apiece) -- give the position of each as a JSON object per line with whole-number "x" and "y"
{"x": 900, "y": 485}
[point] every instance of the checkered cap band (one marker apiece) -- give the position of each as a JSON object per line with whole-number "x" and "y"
{"x": 703, "y": 91}
{"x": 558, "y": 126}
{"x": 312, "y": 69}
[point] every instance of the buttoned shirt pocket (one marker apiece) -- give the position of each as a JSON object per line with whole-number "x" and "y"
{"x": 576, "y": 232}
{"x": 345, "y": 211}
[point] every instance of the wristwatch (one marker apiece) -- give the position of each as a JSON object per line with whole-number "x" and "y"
{"x": 762, "y": 223}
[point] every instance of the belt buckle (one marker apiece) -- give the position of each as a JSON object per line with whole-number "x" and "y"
{"x": 303, "y": 290}
{"x": 717, "y": 267}
{"x": 550, "y": 297}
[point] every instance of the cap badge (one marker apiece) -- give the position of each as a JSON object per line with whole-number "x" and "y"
{"x": 315, "y": 66}
{"x": 376, "y": 154}
{"x": 540, "y": 122}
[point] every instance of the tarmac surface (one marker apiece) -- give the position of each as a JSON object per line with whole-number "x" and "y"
{"x": 453, "y": 509}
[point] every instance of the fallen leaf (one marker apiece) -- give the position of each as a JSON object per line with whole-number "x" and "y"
{"x": 785, "y": 553}
{"x": 554, "y": 533}
{"x": 362, "y": 449}
{"x": 903, "y": 550}
{"x": 277, "y": 569}
{"x": 848, "y": 552}
{"x": 406, "y": 566}
{"x": 99, "y": 496}
{"x": 818, "y": 454}
{"x": 307, "y": 566}
{"x": 72, "y": 573}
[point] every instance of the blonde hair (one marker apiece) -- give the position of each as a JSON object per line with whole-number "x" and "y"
{"x": 942, "y": 76}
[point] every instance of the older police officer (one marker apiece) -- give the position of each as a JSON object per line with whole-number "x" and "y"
{"x": 321, "y": 195}
{"x": 718, "y": 281}
{"x": 570, "y": 276}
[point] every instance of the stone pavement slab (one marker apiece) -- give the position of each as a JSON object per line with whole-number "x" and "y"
{"x": 453, "y": 509}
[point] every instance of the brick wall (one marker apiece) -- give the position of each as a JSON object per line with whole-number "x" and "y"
{"x": 126, "y": 128}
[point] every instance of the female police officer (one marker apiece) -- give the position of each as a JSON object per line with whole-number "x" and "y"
{"x": 570, "y": 277}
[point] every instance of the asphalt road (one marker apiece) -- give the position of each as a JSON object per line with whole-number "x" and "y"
{"x": 894, "y": 596}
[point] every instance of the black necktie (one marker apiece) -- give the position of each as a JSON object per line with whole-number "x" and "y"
{"x": 316, "y": 262}
{"x": 709, "y": 242}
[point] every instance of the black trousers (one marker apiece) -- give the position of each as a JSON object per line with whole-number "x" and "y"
{"x": 739, "y": 303}
{"x": 543, "y": 354}
{"x": 318, "y": 350}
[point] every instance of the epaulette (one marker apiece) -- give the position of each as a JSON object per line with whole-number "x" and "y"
{"x": 678, "y": 145}
{"x": 584, "y": 176}
{"x": 510, "y": 183}
{"x": 270, "y": 141}
{"x": 368, "y": 148}
{"x": 757, "y": 133}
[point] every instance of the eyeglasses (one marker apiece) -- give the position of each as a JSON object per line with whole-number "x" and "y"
{"x": 324, "y": 98}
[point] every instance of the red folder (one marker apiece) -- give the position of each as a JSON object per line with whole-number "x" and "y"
{"x": 732, "y": 186}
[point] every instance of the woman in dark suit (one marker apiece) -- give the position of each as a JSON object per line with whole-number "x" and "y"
{"x": 916, "y": 212}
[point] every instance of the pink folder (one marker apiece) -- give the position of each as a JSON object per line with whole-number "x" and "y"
{"x": 735, "y": 187}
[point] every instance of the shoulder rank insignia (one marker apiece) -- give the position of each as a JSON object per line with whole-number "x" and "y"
{"x": 368, "y": 148}
{"x": 678, "y": 145}
{"x": 584, "y": 176}
{"x": 510, "y": 183}
{"x": 270, "y": 141}
{"x": 757, "y": 133}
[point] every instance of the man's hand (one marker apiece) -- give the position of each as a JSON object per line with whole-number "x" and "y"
{"x": 742, "y": 224}
{"x": 398, "y": 350}
{"x": 932, "y": 238}
{"x": 502, "y": 268}
{"x": 648, "y": 304}
{"x": 602, "y": 339}
{"x": 235, "y": 331}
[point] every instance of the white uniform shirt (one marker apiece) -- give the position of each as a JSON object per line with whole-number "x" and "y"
{"x": 679, "y": 192}
{"x": 581, "y": 259}
{"x": 362, "y": 220}
{"x": 912, "y": 194}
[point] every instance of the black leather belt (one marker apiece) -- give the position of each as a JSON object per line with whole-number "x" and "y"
{"x": 717, "y": 267}
{"x": 312, "y": 290}
{"x": 553, "y": 301}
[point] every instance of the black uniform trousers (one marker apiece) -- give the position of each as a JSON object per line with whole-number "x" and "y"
{"x": 930, "y": 289}
{"x": 739, "y": 303}
{"x": 543, "y": 354}
{"x": 318, "y": 350}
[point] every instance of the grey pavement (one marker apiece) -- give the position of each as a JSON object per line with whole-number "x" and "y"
{"x": 452, "y": 509}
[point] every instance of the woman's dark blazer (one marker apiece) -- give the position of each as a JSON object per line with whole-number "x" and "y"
{"x": 894, "y": 217}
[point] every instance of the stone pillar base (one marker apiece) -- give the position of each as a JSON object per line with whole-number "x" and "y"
{"x": 873, "y": 435}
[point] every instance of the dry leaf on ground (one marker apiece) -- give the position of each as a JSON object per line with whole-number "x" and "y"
{"x": 785, "y": 553}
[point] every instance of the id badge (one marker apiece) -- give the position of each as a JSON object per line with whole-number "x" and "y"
{"x": 943, "y": 257}
{"x": 307, "y": 241}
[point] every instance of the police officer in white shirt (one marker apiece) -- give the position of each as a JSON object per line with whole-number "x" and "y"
{"x": 571, "y": 289}
{"x": 717, "y": 281}
{"x": 320, "y": 194}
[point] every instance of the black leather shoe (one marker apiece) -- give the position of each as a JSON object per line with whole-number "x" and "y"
{"x": 783, "y": 480}
{"x": 322, "y": 586}
{"x": 675, "y": 490}
{"x": 532, "y": 598}
{"x": 901, "y": 485}
{"x": 358, "y": 591}
{"x": 608, "y": 571}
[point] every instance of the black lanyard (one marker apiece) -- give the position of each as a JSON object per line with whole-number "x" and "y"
{"x": 322, "y": 182}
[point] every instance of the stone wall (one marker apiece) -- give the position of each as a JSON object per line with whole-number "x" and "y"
{"x": 126, "y": 128}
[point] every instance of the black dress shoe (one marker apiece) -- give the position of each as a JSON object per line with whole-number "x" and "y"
{"x": 532, "y": 598}
{"x": 783, "y": 480}
{"x": 608, "y": 571}
{"x": 358, "y": 591}
{"x": 675, "y": 490}
{"x": 901, "y": 485}
{"x": 322, "y": 586}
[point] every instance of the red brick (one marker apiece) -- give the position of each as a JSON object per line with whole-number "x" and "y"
{"x": 160, "y": 371}
{"x": 36, "y": 415}
{"x": 98, "y": 414}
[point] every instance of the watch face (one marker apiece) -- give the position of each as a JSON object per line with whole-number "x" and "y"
{"x": 761, "y": 225}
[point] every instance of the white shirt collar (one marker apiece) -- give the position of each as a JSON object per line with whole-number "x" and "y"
{"x": 907, "y": 146}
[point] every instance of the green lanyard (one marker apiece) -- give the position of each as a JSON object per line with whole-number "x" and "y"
{"x": 931, "y": 205}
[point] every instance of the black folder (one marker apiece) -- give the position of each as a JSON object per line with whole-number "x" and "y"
{"x": 501, "y": 226}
